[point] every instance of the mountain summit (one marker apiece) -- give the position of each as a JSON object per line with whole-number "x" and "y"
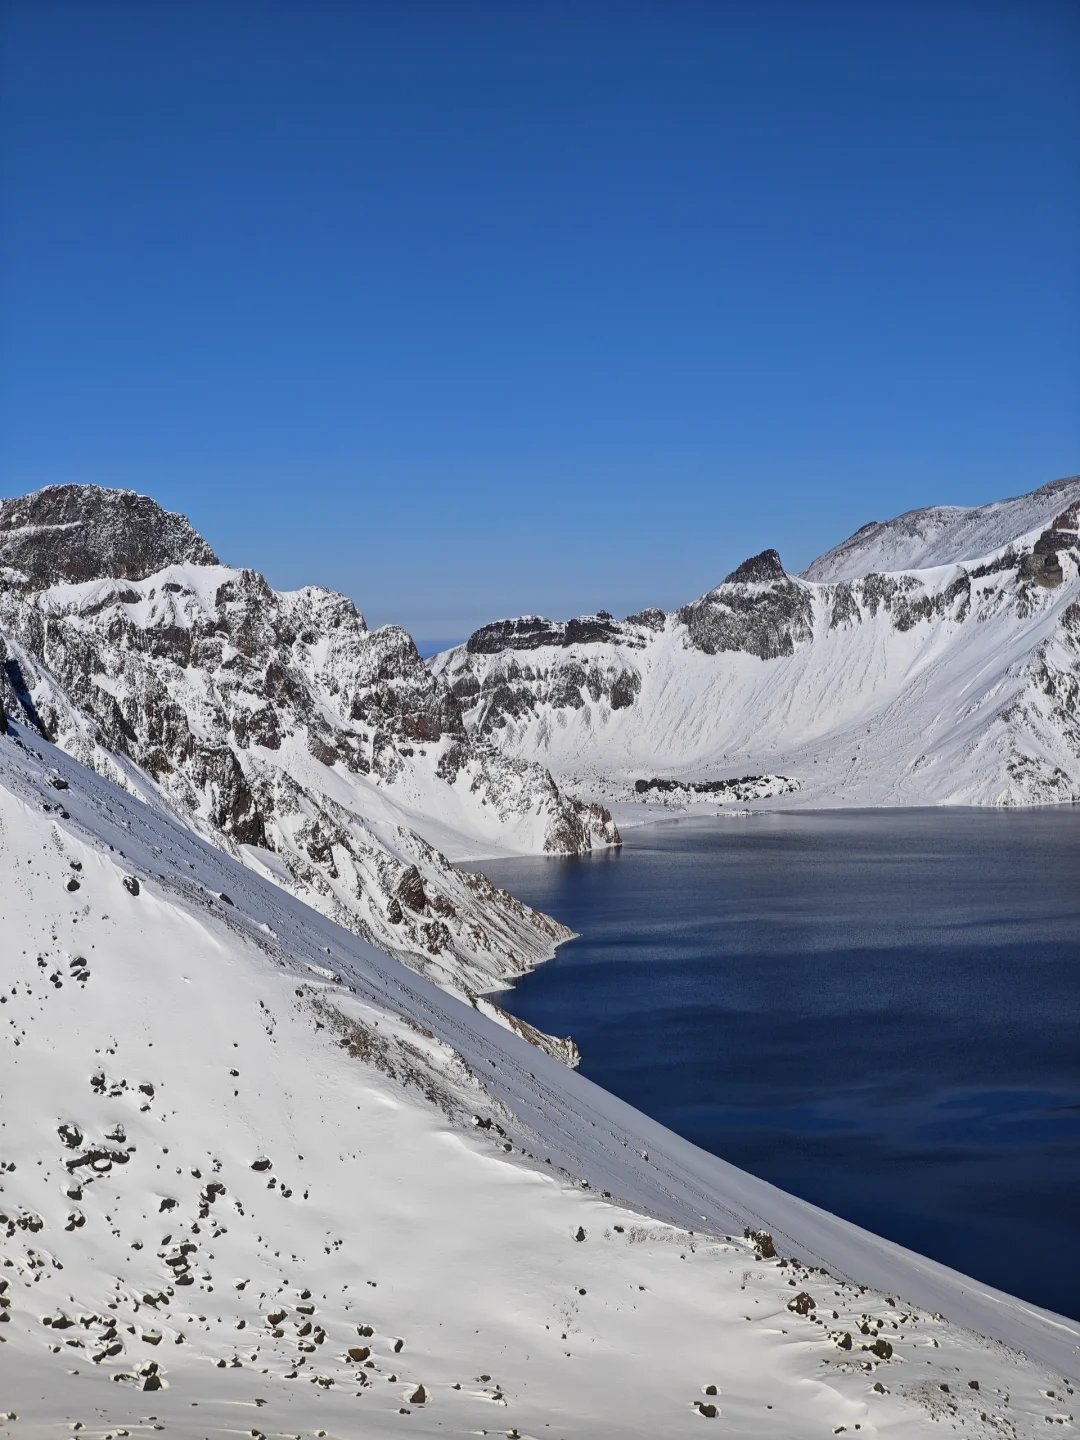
{"x": 81, "y": 532}
{"x": 766, "y": 566}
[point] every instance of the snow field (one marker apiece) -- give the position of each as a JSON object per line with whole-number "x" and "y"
{"x": 125, "y": 1016}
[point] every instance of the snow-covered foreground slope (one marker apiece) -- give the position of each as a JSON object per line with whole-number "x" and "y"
{"x": 957, "y": 684}
{"x": 258, "y": 1178}
{"x": 277, "y": 725}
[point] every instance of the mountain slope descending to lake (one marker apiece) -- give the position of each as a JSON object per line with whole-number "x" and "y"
{"x": 934, "y": 659}
{"x": 278, "y": 725}
{"x": 263, "y": 1179}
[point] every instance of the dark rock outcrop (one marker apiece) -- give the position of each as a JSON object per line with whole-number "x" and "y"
{"x": 1043, "y": 565}
{"x": 758, "y": 569}
{"x": 745, "y": 787}
{"x": 765, "y": 617}
{"x": 82, "y": 532}
{"x": 530, "y": 632}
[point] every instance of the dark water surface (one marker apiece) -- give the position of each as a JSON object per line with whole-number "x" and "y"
{"x": 877, "y": 1010}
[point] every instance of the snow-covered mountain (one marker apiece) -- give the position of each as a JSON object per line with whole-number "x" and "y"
{"x": 943, "y": 535}
{"x": 326, "y": 755}
{"x": 932, "y": 659}
{"x": 258, "y": 1178}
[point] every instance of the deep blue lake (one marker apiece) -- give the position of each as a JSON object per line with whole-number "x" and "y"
{"x": 876, "y": 1010}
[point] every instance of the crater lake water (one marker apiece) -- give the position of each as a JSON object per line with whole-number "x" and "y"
{"x": 875, "y": 1010}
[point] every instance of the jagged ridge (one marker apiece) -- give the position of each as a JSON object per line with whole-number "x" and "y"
{"x": 279, "y": 725}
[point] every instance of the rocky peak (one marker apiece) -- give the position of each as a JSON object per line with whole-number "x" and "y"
{"x": 768, "y": 622}
{"x": 756, "y": 570}
{"x": 74, "y": 533}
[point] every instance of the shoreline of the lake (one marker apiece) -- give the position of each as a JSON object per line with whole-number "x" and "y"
{"x": 633, "y": 816}
{"x": 873, "y": 1009}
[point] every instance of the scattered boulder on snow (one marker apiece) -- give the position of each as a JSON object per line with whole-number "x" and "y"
{"x": 764, "y": 1249}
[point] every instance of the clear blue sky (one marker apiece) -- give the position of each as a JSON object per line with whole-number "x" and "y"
{"x": 470, "y": 309}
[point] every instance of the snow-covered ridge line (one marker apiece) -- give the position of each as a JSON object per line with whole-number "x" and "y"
{"x": 553, "y": 1119}
{"x": 943, "y": 534}
{"x": 954, "y": 683}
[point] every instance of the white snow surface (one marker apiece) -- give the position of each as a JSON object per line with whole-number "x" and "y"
{"x": 942, "y": 534}
{"x": 160, "y": 1046}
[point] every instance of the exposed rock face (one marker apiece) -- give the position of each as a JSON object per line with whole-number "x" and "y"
{"x": 15, "y": 697}
{"x": 757, "y": 609}
{"x": 275, "y": 721}
{"x": 745, "y": 787}
{"x": 758, "y": 569}
{"x": 506, "y": 690}
{"x": 80, "y": 532}
{"x": 531, "y": 632}
{"x": 1042, "y": 565}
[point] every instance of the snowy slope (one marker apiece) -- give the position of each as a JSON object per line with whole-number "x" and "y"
{"x": 942, "y": 534}
{"x": 279, "y": 726}
{"x": 244, "y": 1191}
{"x": 957, "y": 684}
